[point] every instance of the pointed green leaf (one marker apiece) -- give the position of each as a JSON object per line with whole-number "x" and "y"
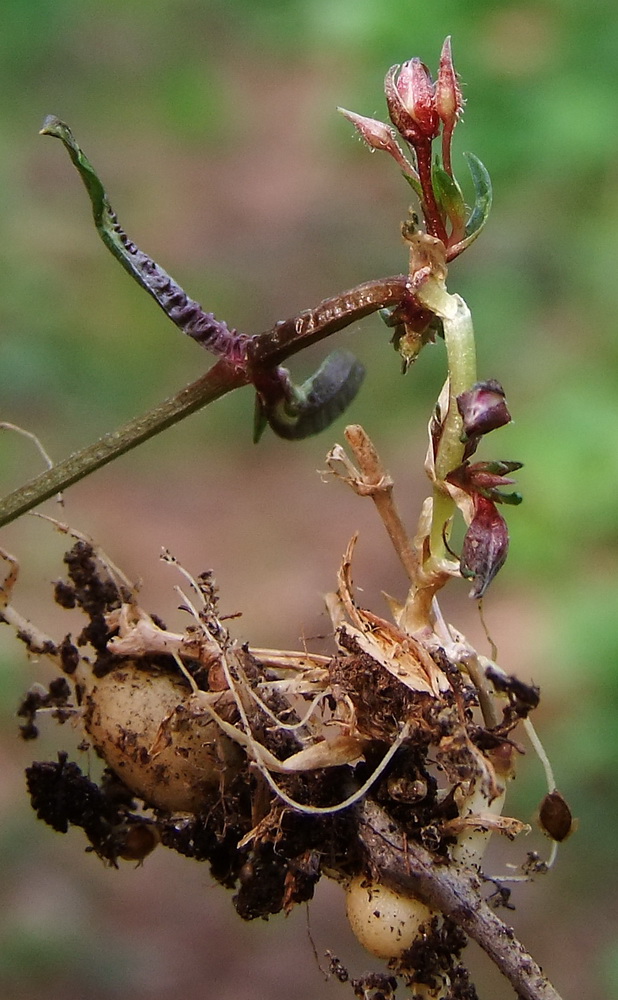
{"x": 483, "y": 198}
{"x": 388, "y": 315}
{"x": 59, "y": 130}
{"x": 260, "y": 420}
{"x": 415, "y": 184}
{"x": 449, "y": 196}
{"x": 512, "y": 499}
{"x": 187, "y": 314}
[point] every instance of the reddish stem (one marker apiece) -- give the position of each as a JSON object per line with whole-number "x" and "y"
{"x": 447, "y": 137}
{"x": 286, "y": 338}
{"x": 433, "y": 219}
{"x": 293, "y": 335}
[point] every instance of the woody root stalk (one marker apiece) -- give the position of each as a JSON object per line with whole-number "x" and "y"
{"x": 384, "y": 765}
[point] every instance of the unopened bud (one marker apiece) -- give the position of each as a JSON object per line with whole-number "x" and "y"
{"x": 449, "y": 98}
{"x": 485, "y": 546}
{"x": 409, "y": 95}
{"x": 483, "y": 408}
{"x": 377, "y": 134}
{"x": 486, "y": 478}
{"x": 417, "y": 93}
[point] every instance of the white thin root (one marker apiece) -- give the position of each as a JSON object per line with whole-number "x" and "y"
{"x": 6, "y": 426}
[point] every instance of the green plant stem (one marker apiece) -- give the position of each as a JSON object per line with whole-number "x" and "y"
{"x": 218, "y": 381}
{"x": 461, "y": 358}
{"x": 243, "y": 356}
{"x": 284, "y": 340}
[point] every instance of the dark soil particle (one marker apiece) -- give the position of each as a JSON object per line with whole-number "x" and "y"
{"x": 435, "y": 953}
{"x": 69, "y": 655}
{"x": 64, "y": 594}
{"x": 271, "y": 873}
{"x": 62, "y": 796}
{"x": 374, "y": 986}
{"x": 57, "y": 696}
{"x": 523, "y": 698}
{"x": 93, "y": 593}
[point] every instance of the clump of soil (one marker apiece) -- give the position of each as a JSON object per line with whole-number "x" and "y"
{"x": 255, "y": 761}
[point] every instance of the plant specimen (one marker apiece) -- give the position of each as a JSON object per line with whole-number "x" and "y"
{"x": 385, "y": 765}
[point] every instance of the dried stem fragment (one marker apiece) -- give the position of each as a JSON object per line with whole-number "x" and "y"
{"x": 411, "y": 870}
{"x": 371, "y": 479}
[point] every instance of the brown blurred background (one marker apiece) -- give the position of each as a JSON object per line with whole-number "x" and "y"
{"x": 213, "y": 126}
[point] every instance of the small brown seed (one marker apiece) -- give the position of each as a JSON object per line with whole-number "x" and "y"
{"x": 555, "y": 816}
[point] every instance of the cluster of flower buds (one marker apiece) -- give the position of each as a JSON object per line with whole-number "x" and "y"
{"x": 483, "y": 408}
{"x": 421, "y": 110}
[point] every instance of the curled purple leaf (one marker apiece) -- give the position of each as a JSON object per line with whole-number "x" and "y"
{"x": 485, "y": 546}
{"x": 295, "y": 412}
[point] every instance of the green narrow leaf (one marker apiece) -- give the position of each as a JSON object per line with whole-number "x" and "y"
{"x": 104, "y": 216}
{"x": 414, "y": 184}
{"x": 483, "y": 198}
{"x": 187, "y": 314}
{"x": 260, "y": 419}
{"x": 449, "y": 196}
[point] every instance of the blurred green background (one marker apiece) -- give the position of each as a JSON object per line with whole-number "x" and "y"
{"x": 213, "y": 126}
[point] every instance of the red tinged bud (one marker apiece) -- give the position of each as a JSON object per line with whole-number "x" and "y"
{"x": 449, "y": 98}
{"x": 410, "y": 97}
{"x": 483, "y": 408}
{"x": 379, "y": 135}
{"x": 485, "y": 546}
{"x": 375, "y": 133}
{"x": 417, "y": 92}
{"x": 486, "y": 478}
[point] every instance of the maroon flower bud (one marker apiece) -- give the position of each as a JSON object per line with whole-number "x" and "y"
{"x": 410, "y": 99}
{"x": 379, "y": 135}
{"x": 417, "y": 92}
{"x": 486, "y": 478}
{"x": 485, "y": 546}
{"x": 483, "y": 409}
{"x": 376, "y": 134}
{"x": 449, "y": 98}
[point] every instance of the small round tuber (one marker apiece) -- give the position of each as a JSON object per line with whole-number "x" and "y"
{"x": 385, "y": 923}
{"x": 141, "y": 724}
